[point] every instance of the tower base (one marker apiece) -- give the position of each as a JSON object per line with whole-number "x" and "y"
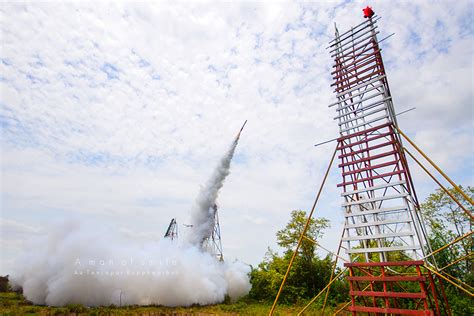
{"x": 393, "y": 288}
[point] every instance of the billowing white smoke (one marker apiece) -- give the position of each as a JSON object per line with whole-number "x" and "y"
{"x": 202, "y": 214}
{"x": 78, "y": 262}
{"x": 92, "y": 266}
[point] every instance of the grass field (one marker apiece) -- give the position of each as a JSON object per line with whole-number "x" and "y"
{"x": 15, "y": 304}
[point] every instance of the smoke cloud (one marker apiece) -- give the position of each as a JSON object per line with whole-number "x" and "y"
{"x": 79, "y": 262}
{"x": 202, "y": 215}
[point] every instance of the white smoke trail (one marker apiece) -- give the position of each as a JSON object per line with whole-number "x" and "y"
{"x": 202, "y": 215}
{"x": 82, "y": 263}
{"x": 78, "y": 262}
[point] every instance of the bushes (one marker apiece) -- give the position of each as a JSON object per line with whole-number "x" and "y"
{"x": 76, "y": 308}
{"x": 309, "y": 273}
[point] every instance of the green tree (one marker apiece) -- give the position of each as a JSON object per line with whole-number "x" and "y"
{"x": 288, "y": 237}
{"x": 309, "y": 273}
{"x": 446, "y": 221}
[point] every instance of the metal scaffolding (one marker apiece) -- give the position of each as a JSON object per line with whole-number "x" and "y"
{"x": 172, "y": 231}
{"x": 213, "y": 243}
{"x": 379, "y": 206}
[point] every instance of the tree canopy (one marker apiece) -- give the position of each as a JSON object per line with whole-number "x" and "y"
{"x": 446, "y": 221}
{"x": 309, "y": 273}
{"x": 288, "y": 237}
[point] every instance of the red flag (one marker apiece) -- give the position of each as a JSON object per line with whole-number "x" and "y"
{"x": 368, "y": 12}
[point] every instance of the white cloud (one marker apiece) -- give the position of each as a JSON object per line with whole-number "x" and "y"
{"x": 119, "y": 111}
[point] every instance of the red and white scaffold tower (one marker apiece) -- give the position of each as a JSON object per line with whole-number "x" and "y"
{"x": 379, "y": 199}
{"x": 391, "y": 267}
{"x": 383, "y": 232}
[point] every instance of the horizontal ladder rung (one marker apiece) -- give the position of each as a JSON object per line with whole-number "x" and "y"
{"x": 350, "y": 33}
{"x": 379, "y": 198}
{"x": 408, "y": 263}
{"x": 352, "y": 96}
{"x": 365, "y": 123}
{"x": 363, "y": 79}
{"x": 370, "y": 168}
{"x": 376, "y": 106}
{"x": 341, "y": 66}
{"x": 363, "y": 84}
{"x": 379, "y": 236}
{"x": 341, "y": 62}
{"x": 366, "y": 107}
{"x": 370, "y": 158}
{"x": 388, "y": 174}
{"x": 344, "y": 138}
{"x": 387, "y": 294}
{"x": 378, "y": 223}
{"x": 364, "y": 61}
{"x": 356, "y": 75}
{"x": 382, "y": 249}
{"x": 365, "y": 140}
{"x": 376, "y": 211}
{"x": 376, "y": 187}
{"x": 390, "y": 311}
{"x": 387, "y": 278}
{"x": 339, "y": 49}
{"x": 367, "y": 149}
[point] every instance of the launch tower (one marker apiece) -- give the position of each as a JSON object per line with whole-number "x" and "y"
{"x": 383, "y": 232}
{"x": 172, "y": 231}
{"x": 213, "y": 243}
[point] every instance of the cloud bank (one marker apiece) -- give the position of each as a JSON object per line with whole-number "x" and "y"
{"x": 108, "y": 110}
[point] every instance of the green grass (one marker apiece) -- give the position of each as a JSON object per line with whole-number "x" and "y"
{"x": 15, "y": 304}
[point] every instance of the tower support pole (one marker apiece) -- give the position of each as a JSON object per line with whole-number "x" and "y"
{"x": 272, "y": 310}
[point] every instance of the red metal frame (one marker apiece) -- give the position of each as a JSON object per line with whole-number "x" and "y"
{"x": 389, "y": 290}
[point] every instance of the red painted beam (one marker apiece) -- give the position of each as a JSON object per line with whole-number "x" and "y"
{"x": 352, "y": 69}
{"x": 341, "y": 60}
{"x": 364, "y": 132}
{"x": 367, "y": 140}
{"x": 345, "y": 72}
{"x": 387, "y": 310}
{"x": 388, "y": 174}
{"x": 387, "y": 278}
{"x": 352, "y": 153}
{"x": 370, "y": 168}
{"x": 388, "y": 153}
{"x": 348, "y": 76}
{"x": 388, "y": 294}
{"x": 351, "y": 84}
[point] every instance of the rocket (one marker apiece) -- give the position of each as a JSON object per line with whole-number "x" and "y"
{"x": 238, "y": 135}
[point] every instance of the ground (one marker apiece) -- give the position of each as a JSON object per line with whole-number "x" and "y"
{"x": 15, "y": 304}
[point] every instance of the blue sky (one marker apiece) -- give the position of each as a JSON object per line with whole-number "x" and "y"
{"x": 118, "y": 112}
